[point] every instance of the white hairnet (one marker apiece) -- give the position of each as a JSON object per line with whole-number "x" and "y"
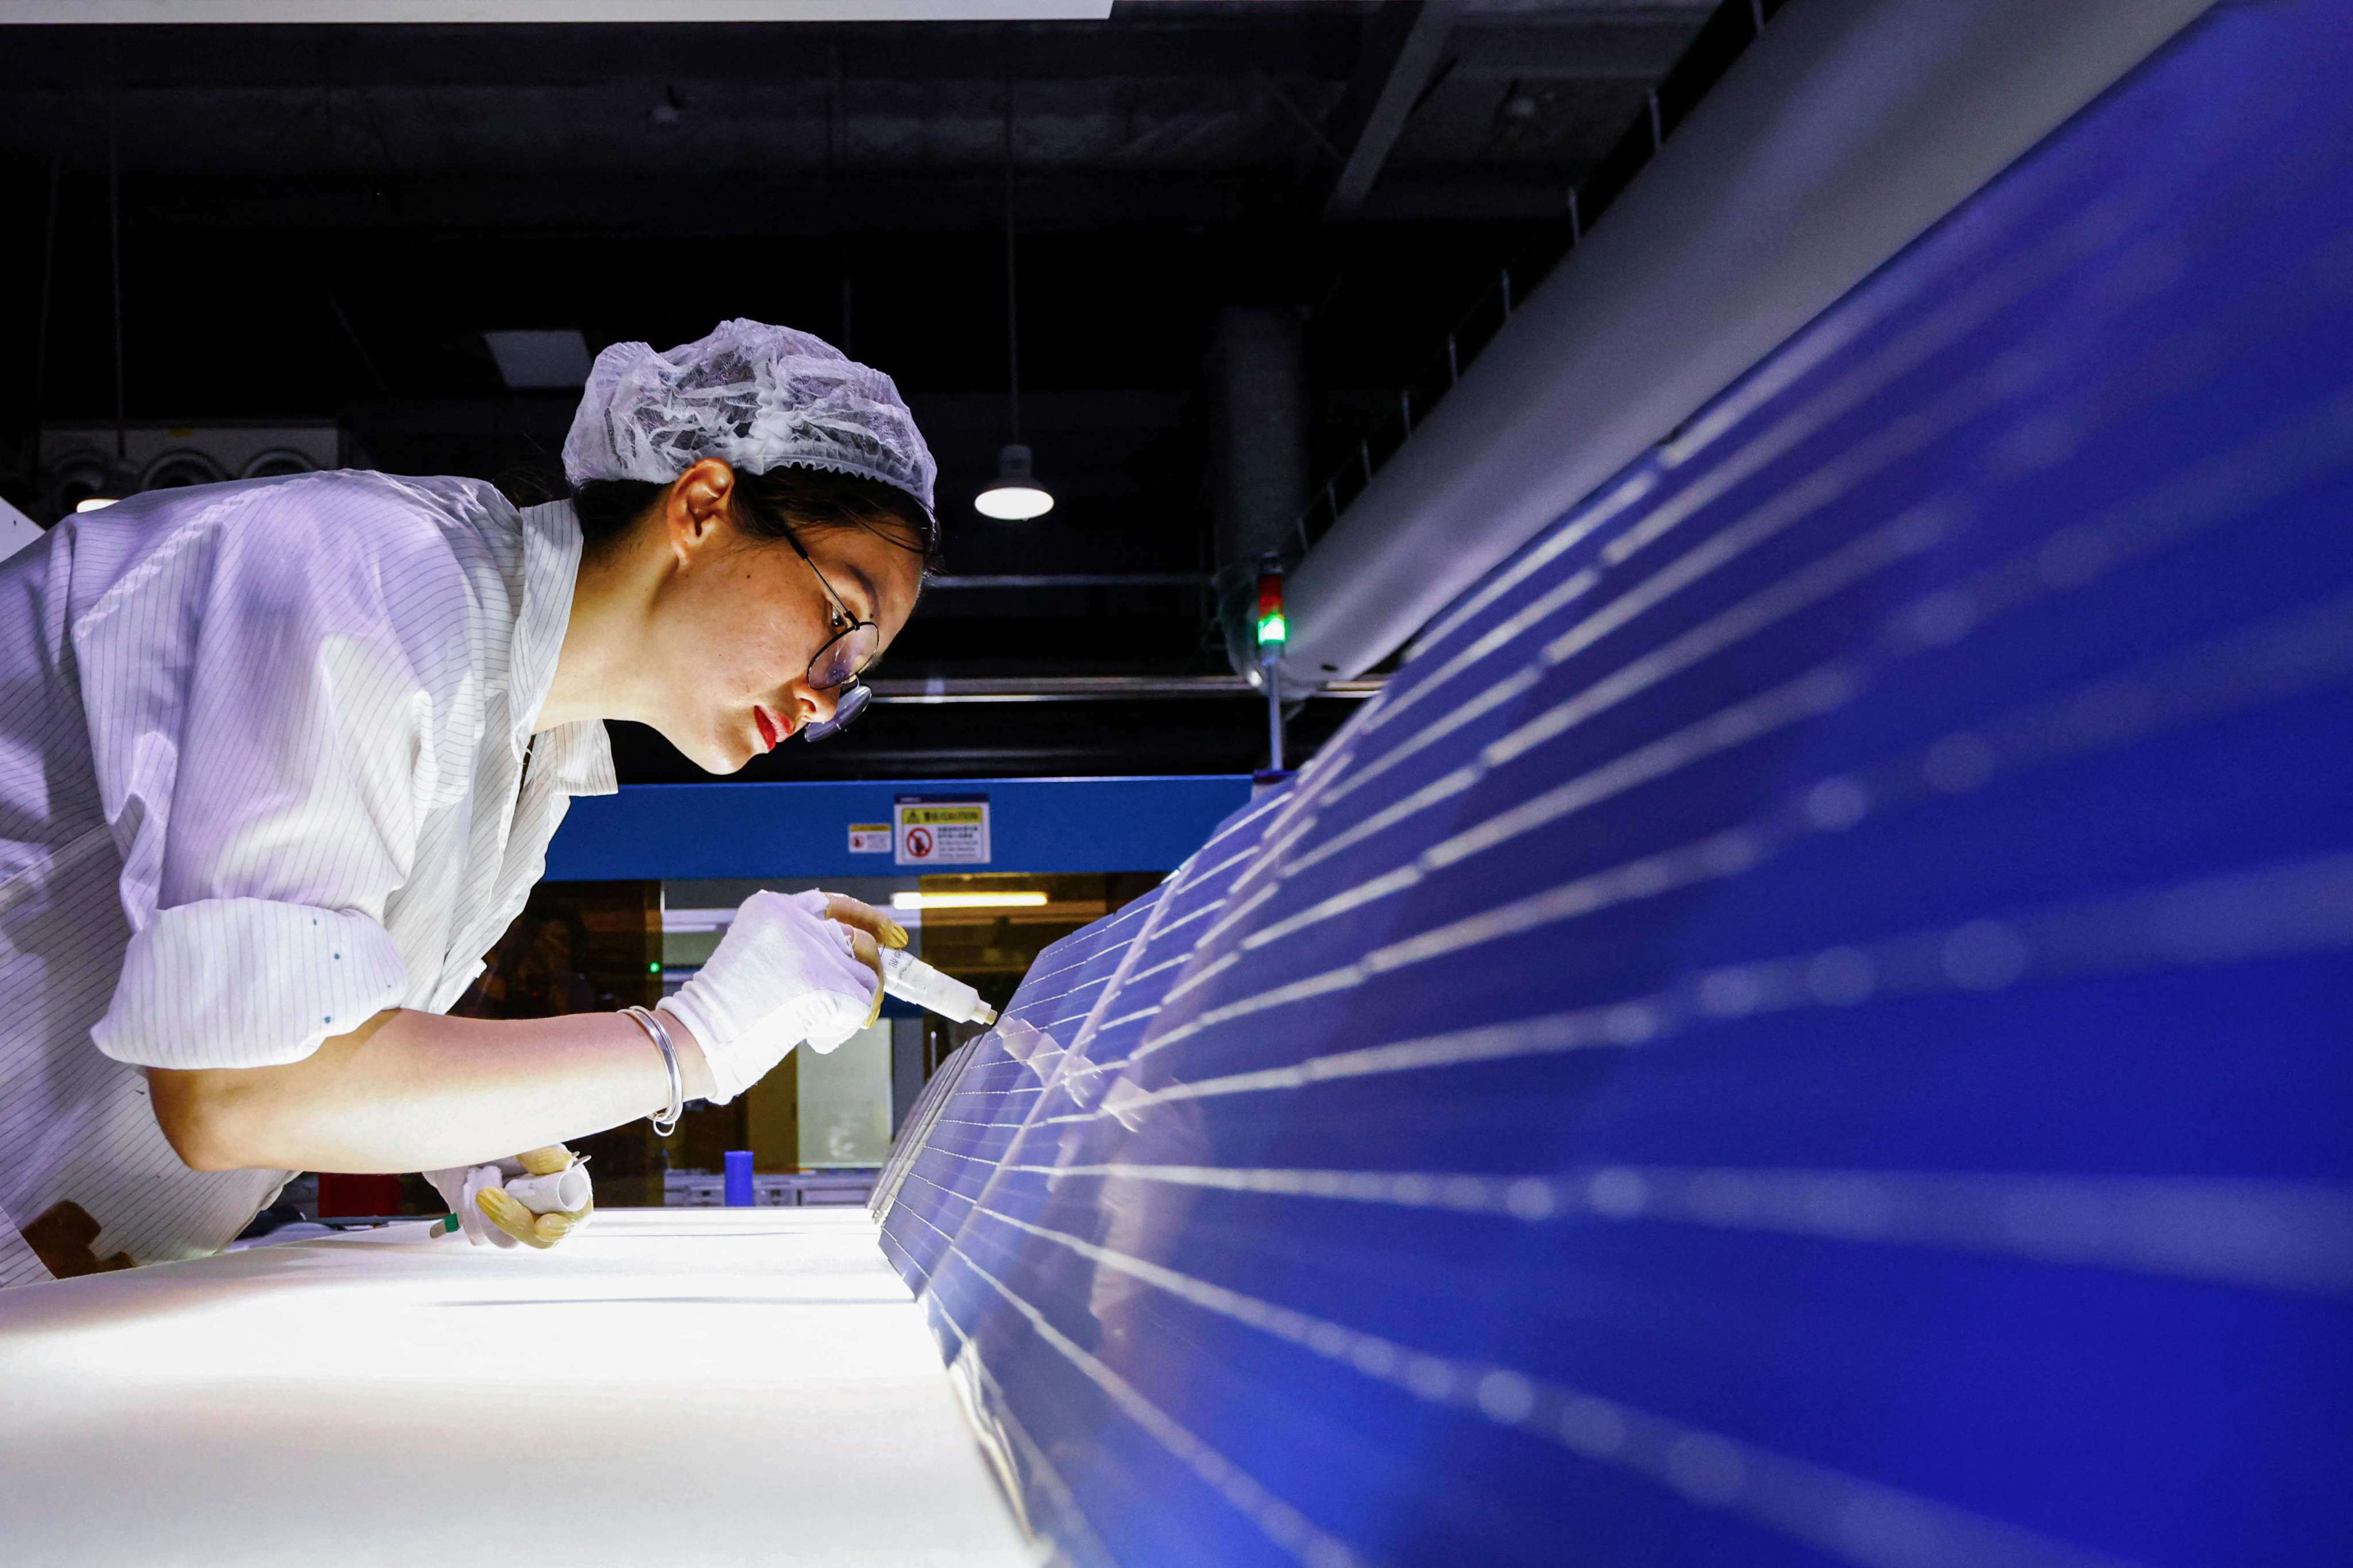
{"x": 759, "y": 396}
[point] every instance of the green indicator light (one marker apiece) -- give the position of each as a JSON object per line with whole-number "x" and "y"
{"x": 653, "y": 969}
{"x": 1270, "y": 629}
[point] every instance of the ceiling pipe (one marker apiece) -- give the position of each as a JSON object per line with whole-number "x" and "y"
{"x": 953, "y": 582}
{"x": 937, "y": 690}
{"x": 547, "y": 11}
{"x": 1256, "y": 370}
{"x": 1844, "y": 133}
{"x": 1258, "y": 429}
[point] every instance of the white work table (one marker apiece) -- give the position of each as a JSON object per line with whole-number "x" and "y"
{"x": 684, "y": 1386}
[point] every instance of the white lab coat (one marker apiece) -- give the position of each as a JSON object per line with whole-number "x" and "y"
{"x": 262, "y": 774}
{"x": 17, "y": 531}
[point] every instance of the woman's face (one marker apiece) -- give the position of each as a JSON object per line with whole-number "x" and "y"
{"x": 737, "y": 620}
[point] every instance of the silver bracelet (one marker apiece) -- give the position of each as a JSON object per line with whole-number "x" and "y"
{"x": 665, "y": 1121}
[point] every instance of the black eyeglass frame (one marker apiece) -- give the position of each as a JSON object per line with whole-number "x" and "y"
{"x": 855, "y": 625}
{"x": 853, "y": 695}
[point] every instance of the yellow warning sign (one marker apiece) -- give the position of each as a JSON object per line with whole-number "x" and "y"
{"x": 941, "y": 830}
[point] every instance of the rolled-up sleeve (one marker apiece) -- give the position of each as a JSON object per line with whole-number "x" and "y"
{"x": 273, "y": 709}
{"x": 242, "y": 983}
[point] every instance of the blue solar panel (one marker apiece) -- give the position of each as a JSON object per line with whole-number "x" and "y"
{"x": 960, "y": 1128}
{"x": 1807, "y": 1022}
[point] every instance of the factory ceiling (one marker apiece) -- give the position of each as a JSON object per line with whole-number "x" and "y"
{"x": 321, "y": 223}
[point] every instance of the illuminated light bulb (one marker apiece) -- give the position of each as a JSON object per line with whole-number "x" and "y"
{"x": 1273, "y": 630}
{"x": 1016, "y": 496}
{"x": 1006, "y": 900}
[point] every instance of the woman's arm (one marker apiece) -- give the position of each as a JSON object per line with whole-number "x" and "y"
{"x": 417, "y": 1091}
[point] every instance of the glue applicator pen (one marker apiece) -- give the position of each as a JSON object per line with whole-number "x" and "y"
{"x": 910, "y": 979}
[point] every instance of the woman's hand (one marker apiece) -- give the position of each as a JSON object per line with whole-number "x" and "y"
{"x": 804, "y": 967}
{"x": 869, "y": 928}
{"x": 540, "y": 1230}
{"x": 489, "y": 1213}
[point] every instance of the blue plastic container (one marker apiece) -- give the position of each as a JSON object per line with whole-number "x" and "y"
{"x": 739, "y": 1179}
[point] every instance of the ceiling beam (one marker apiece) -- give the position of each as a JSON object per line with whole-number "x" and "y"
{"x": 624, "y": 204}
{"x": 1310, "y": 52}
{"x": 1406, "y": 48}
{"x": 936, "y": 689}
{"x": 947, "y": 582}
{"x": 184, "y": 12}
{"x": 1585, "y": 48}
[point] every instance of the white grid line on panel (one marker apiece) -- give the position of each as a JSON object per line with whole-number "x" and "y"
{"x": 2290, "y": 1236}
{"x": 2302, "y": 906}
{"x": 1859, "y": 1520}
{"x": 1283, "y": 1524}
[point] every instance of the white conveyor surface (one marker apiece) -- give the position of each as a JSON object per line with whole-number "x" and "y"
{"x": 680, "y": 1386}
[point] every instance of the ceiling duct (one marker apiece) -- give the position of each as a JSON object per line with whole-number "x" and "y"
{"x": 1258, "y": 436}
{"x": 1848, "y": 129}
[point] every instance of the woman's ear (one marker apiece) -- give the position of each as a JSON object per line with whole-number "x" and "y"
{"x": 696, "y": 506}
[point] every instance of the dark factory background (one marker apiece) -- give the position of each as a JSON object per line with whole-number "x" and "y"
{"x": 216, "y": 227}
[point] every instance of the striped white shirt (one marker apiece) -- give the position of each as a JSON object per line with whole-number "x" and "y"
{"x": 262, "y": 774}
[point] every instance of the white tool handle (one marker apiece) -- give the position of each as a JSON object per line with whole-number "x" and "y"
{"x": 567, "y": 1192}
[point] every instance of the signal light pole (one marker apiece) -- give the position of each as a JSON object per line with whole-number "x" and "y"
{"x": 1272, "y": 632}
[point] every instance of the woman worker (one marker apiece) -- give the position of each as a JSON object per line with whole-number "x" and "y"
{"x": 281, "y": 759}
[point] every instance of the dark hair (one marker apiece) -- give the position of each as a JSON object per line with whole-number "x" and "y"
{"x": 780, "y": 504}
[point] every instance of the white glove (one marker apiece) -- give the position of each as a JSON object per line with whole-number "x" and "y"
{"x": 782, "y": 975}
{"x": 459, "y": 1184}
{"x": 537, "y": 1217}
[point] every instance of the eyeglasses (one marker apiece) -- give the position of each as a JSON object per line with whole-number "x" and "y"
{"x": 842, "y": 660}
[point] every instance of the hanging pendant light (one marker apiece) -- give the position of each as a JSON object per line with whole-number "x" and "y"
{"x": 1014, "y": 496}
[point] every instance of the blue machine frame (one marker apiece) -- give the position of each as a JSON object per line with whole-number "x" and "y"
{"x": 801, "y": 830}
